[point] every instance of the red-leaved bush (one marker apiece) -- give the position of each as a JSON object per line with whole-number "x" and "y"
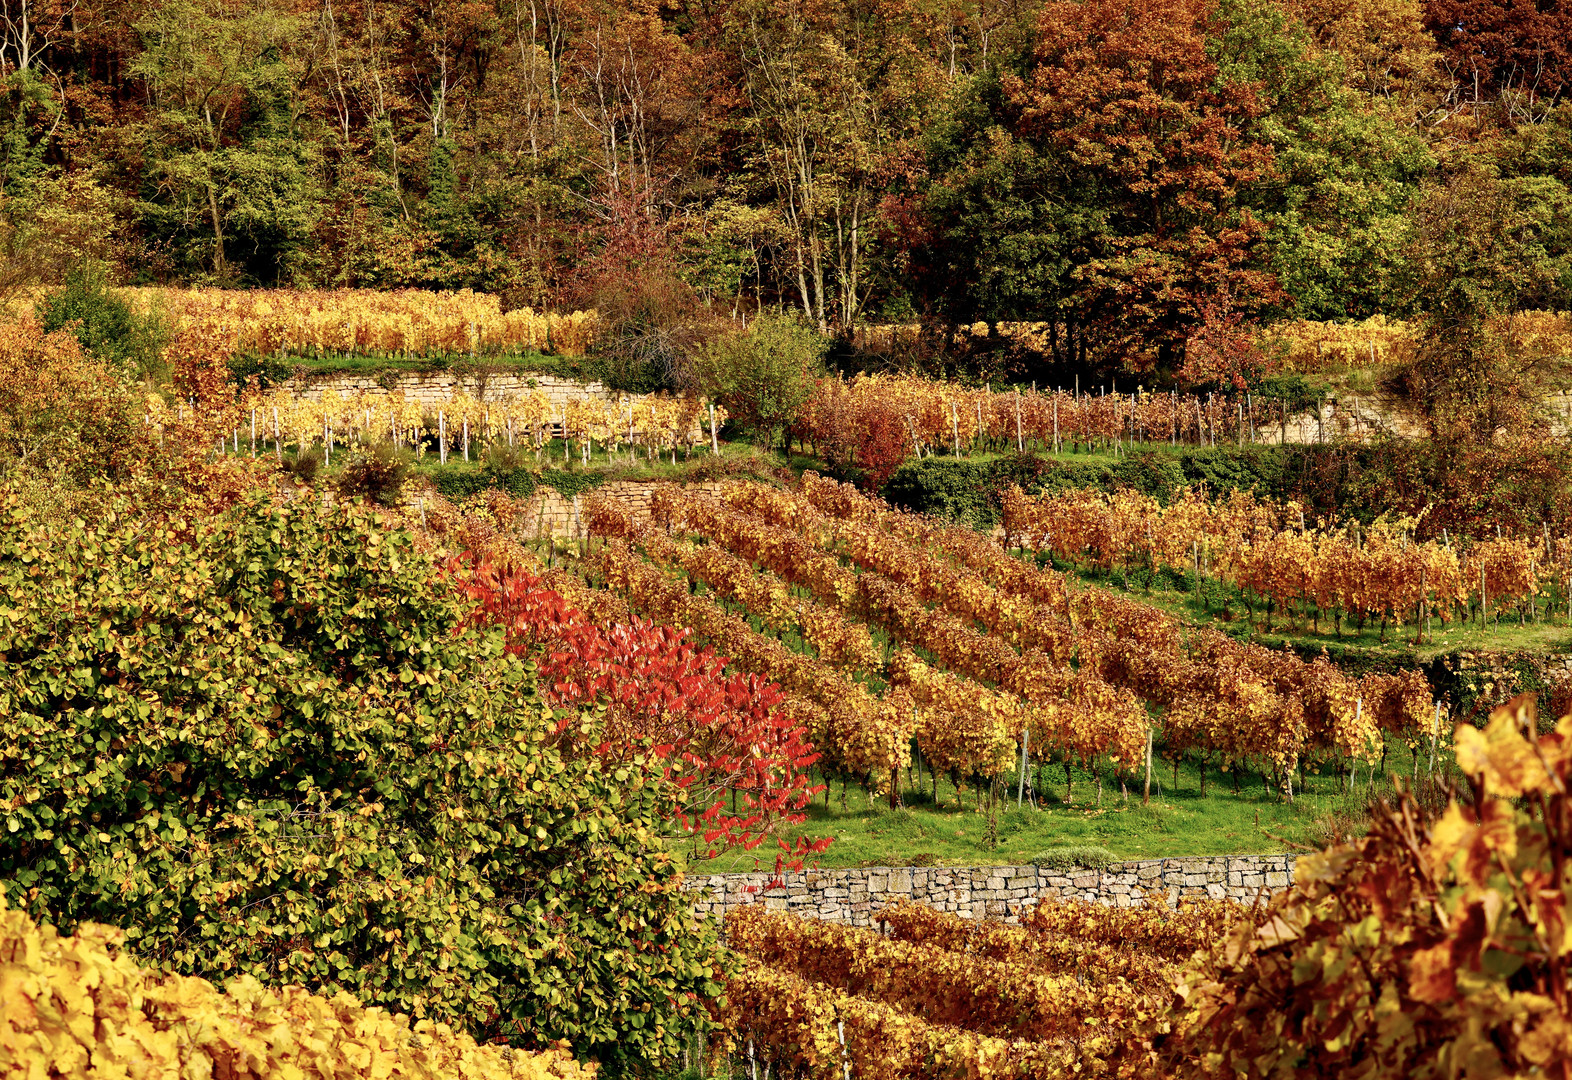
{"x": 743, "y": 762}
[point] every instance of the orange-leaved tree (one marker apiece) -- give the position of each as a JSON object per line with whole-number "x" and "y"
{"x": 63, "y": 414}
{"x": 1137, "y": 115}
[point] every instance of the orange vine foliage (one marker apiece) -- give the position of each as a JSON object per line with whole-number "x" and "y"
{"x": 988, "y": 649}
{"x": 1266, "y": 548}
{"x": 874, "y": 422}
{"x": 1426, "y": 951}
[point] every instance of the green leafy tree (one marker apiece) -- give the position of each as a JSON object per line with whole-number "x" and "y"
{"x": 105, "y": 324}
{"x": 765, "y": 375}
{"x": 231, "y": 176}
{"x": 1335, "y": 202}
{"x": 1482, "y": 250}
{"x": 268, "y": 742}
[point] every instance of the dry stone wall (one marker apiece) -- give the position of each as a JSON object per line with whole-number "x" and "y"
{"x": 995, "y": 892}
{"x": 548, "y": 513}
{"x": 436, "y": 387}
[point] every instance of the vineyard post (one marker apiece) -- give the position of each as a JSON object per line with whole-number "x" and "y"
{"x": 1353, "y": 769}
{"x": 327, "y": 441}
{"x": 1019, "y": 445}
{"x": 253, "y": 433}
{"x": 422, "y": 515}
{"x": 442, "y": 437}
{"x": 278, "y": 445}
{"x": 1146, "y": 792}
{"x": 714, "y": 438}
{"x": 1200, "y": 431}
{"x": 1056, "y": 422}
{"x": 1020, "y": 794}
{"x": 955, "y": 428}
{"x": 1424, "y": 598}
{"x": 466, "y": 438}
{"x": 840, "y": 1029}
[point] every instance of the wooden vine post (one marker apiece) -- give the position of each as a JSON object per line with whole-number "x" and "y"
{"x": 1020, "y": 794}
{"x": 1146, "y": 791}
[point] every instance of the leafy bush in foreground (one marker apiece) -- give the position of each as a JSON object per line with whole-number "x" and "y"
{"x": 79, "y": 1000}
{"x": 1437, "y": 951}
{"x": 266, "y": 743}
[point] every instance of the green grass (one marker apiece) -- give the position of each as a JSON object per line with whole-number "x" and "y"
{"x": 1178, "y": 821}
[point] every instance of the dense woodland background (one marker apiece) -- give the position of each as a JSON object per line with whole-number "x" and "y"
{"x": 1123, "y": 169}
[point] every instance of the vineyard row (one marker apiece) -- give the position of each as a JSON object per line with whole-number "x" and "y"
{"x": 1330, "y": 572}
{"x": 997, "y": 653}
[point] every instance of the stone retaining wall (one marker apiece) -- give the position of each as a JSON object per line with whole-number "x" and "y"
{"x": 996, "y": 892}
{"x": 548, "y": 513}
{"x": 436, "y": 387}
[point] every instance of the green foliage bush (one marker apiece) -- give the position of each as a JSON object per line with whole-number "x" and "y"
{"x": 568, "y": 484}
{"x": 267, "y": 743}
{"x": 104, "y": 324}
{"x": 764, "y": 376}
{"x": 459, "y": 482}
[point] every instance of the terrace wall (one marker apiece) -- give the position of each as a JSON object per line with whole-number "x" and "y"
{"x": 996, "y": 892}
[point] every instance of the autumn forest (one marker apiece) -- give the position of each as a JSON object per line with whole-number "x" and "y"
{"x": 1123, "y": 169}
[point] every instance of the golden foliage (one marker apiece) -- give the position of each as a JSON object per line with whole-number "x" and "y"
{"x": 61, "y": 412}
{"x": 1377, "y": 570}
{"x": 79, "y": 1006}
{"x": 1423, "y": 951}
{"x": 654, "y": 422}
{"x": 403, "y": 321}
